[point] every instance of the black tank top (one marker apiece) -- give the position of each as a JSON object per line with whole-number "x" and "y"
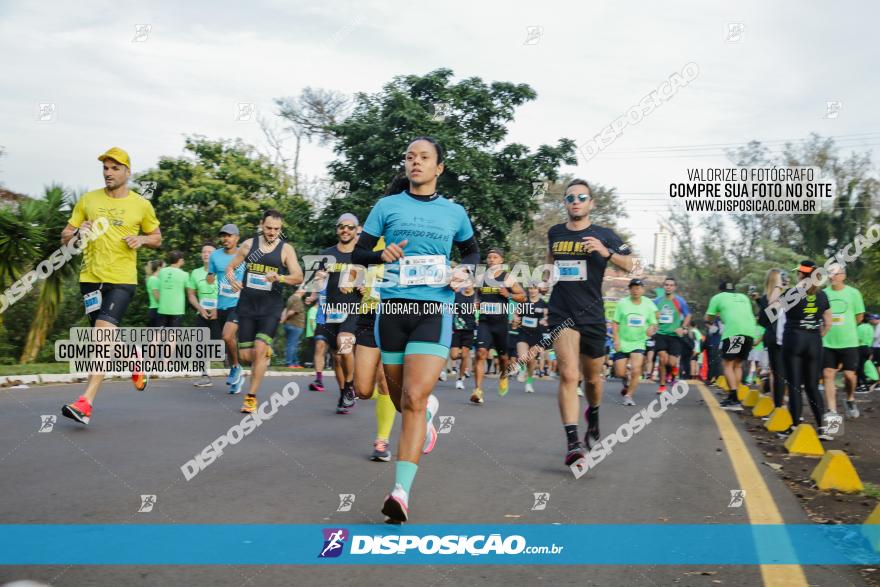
{"x": 260, "y": 297}
{"x": 493, "y": 305}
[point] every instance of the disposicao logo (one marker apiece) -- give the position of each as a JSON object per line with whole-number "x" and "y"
{"x": 334, "y": 541}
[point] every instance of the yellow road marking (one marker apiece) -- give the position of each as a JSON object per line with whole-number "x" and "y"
{"x": 759, "y": 502}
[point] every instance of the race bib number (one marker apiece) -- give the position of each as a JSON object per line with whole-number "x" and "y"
{"x": 572, "y": 270}
{"x": 666, "y": 316}
{"x": 92, "y": 301}
{"x": 423, "y": 270}
{"x": 258, "y": 281}
{"x": 635, "y": 321}
{"x": 227, "y": 291}
{"x": 336, "y": 317}
{"x": 208, "y": 303}
{"x": 528, "y": 322}
{"x": 493, "y": 308}
{"x": 838, "y": 319}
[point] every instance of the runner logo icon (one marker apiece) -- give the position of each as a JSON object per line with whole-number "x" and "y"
{"x": 334, "y": 540}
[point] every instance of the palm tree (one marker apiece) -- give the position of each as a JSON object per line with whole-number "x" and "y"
{"x": 50, "y": 215}
{"x": 18, "y": 246}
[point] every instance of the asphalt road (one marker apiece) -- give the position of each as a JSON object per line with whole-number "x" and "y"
{"x": 292, "y": 469}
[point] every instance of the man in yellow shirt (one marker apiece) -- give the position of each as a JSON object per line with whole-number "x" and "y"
{"x": 109, "y": 271}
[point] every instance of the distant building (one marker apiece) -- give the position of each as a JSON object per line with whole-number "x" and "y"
{"x": 663, "y": 243}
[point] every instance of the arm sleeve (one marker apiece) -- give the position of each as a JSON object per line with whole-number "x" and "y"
{"x": 470, "y": 251}
{"x": 363, "y": 253}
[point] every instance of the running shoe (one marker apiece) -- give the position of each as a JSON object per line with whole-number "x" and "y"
{"x": 503, "y": 386}
{"x": 459, "y": 384}
{"x": 530, "y": 388}
{"x": 731, "y": 404}
{"x": 431, "y": 430}
{"x": 80, "y": 410}
{"x": 396, "y": 505}
{"x": 823, "y": 434}
{"x": 316, "y": 386}
{"x": 249, "y": 406}
{"x": 576, "y": 452}
{"x": 340, "y": 406}
{"x": 521, "y": 376}
{"x": 380, "y": 451}
{"x": 234, "y": 375}
{"x": 580, "y": 391}
{"x": 863, "y": 389}
{"x": 443, "y": 374}
{"x": 477, "y": 396}
{"x": 348, "y": 398}
{"x": 628, "y": 401}
{"x": 661, "y": 389}
{"x": 592, "y": 417}
{"x": 138, "y": 377}
{"x": 203, "y": 381}
{"x": 785, "y": 433}
{"x": 624, "y": 390}
{"x": 236, "y": 387}
{"x": 852, "y": 410}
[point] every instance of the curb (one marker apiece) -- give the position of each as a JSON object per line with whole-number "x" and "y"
{"x": 8, "y": 381}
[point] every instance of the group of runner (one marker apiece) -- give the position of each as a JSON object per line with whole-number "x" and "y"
{"x": 392, "y": 328}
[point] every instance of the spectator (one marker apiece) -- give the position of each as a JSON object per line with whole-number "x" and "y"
{"x": 294, "y": 319}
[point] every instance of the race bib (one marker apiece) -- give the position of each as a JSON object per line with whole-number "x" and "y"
{"x": 572, "y": 270}
{"x": 493, "y": 308}
{"x": 227, "y": 291}
{"x": 92, "y": 301}
{"x": 530, "y": 322}
{"x": 208, "y": 303}
{"x": 335, "y": 317}
{"x": 666, "y": 316}
{"x": 635, "y": 321}
{"x": 838, "y": 319}
{"x": 423, "y": 270}
{"x": 258, "y": 281}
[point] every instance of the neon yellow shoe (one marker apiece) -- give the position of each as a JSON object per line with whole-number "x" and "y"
{"x": 249, "y": 406}
{"x": 503, "y": 386}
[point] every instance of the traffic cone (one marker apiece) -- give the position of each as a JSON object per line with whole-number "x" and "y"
{"x": 751, "y": 397}
{"x": 835, "y": 471}
{"x": 763, "y": 407}
{"x": 780, "y": 419}
{"x": 722, "y": 382}
{"x": 804, "y": 441}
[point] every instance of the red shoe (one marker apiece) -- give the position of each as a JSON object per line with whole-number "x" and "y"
{"x": 661, "y": 389}
{"x": 80, "y": 410}
{"x": 138, "y": 377}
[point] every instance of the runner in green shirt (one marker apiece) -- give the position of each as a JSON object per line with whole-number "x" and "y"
{"x": 735, "y": 311}
{"x": 202, "y": 296}
{"x": 151, "y": 270}
{"x": 172, "y": 291}
{"x": 675, "y": 319}
{"x": 865, "y": 372}
{"x": 842, "y": 342}
{"x": 635, "y": 319}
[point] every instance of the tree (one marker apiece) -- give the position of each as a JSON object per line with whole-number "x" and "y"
{"x": 51, "y": 214}
{"x": 492, "y": 180}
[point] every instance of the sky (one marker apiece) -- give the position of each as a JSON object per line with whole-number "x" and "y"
{"x": 143, "y": 75}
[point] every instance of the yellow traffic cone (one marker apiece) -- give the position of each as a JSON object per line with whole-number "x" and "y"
{"x": 763, "y": 407}
{"x": 751, "y": 398}
{"x": 722, "y": 383}
{"x": 835, "y": 471}
{"x": 804, "y": 441}
{"x": 780, "y": 419}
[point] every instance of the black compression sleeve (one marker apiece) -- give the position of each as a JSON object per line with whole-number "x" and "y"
{"x": 470, "y": 251}
{"x": 363, "y": 253}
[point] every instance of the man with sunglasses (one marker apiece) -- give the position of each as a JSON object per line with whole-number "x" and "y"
{"x": 337, "y": 323}
{"x": 581, "y": 251}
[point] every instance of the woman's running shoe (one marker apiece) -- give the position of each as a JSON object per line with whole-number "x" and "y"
{"x": 477, "y": 396}
{"x": 380, "y": 451}
{"x": 396, "y": 505}
{"x": 576, "y": 452}
{"x": 80, "y": 410}
{"x": 431, "y": 430}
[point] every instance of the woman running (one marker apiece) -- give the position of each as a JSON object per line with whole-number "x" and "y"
{"x": 772, "y": 291}
{"x": 414, "y": 336}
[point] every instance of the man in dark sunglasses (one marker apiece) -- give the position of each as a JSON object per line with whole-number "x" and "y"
{"x": 336, "y": 321}
{"x": 580, "y": 252}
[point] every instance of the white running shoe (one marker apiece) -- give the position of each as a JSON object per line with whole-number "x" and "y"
{"x": 396, "y": 505}
{"x": 530, "y": 388}
{"x": 628, "y": 401}
{"x": 443, "y": 374}
{"x": 580, "y": 391}
{"x": 459, "y": 384}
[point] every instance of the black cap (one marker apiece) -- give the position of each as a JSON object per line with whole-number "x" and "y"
{"x": 726, "y": 286}
{"x": 807, "y": 266}
{"x": 635, "y": 281}
{"x": 497, "y": 251}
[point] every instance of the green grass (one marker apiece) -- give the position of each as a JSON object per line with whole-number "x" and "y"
{"x": 872, "y": 490}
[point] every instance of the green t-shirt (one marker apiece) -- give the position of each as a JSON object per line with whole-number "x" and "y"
{"x": 735, "y": 310}
{"x": 633, "y": 321}
{"x": 698, "y": 340}
{"x": 759, "y": 337}
{"x": 172, "y": 291}
{"x": 866, "y": 334}
{"x": 152, "y": 283}
{"x": 198, "y": 280}
{"x": 671, "y": 316}
{"x": 311, "y": 319}
{"x": 845, "y": 304}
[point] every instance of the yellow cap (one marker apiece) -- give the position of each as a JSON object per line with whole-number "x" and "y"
{"x": 116, "y": 154}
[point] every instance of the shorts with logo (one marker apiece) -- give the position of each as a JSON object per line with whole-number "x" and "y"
{"x": 619, "y": 355}
{"x": 492, "y": 335}
{"x": 462, "y": 339}
{"x": 227, "y": 315}
{"x": 592, "y": 343}
{"x": 847, "y": 359}
{"x": 115, "y": 298}
{"x": 330, "y": 330}
{"x": 252, "y": 328}
{"x": 669, "y": 343}
{"x": 421, "y": 331}
{"x": 736, "y": 347}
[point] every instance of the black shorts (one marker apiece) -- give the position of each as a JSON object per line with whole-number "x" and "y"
{"x": 530, "y": 336}
{"x": 365, "y": 330}
{"x": 462, "y": 339}
{"x": 215, "y": 326}
{"x": 227, "y": 315}
{"x": 669, "y": 343}
{"x": 153, "y": 317}
{"x": 650, "y": 344}
{"x": 420, "y": 330}
{"x": 251, "y": 328}
{"x": 512, "y": 340}
{"x": 329, "y": 331}
{"x": 115, "y": 298}
{"x": 619, "y": 355}
{"x": 835, "y": 358}
{"x": 169, "y": 320}
{"x": 736, "y": 347}
{"x": 492, "y": 335}
{"x": 592, "y": 343}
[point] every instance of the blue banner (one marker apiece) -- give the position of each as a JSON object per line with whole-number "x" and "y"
{"x": 523, "y": 544}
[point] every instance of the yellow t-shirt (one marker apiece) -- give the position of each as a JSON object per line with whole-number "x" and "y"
{"x": 108, "y": 259}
